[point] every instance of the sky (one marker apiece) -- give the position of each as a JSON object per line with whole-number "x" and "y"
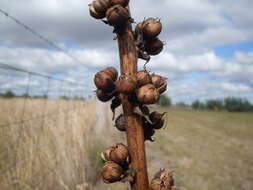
{"x": 208, "y": 52}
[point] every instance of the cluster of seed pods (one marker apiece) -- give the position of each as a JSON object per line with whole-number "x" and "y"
{"x": 146, "y": 32}
{"x": 163, "y": 180}
{"x": 116, "y": 164}
{"x": 147, "y": 41}
{"x": 113, "y": 10}
{"x": 142, "y": 89}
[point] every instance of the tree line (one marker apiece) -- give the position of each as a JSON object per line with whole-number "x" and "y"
{"x": 232, "y": 104}
{"x": 10, "y": 94}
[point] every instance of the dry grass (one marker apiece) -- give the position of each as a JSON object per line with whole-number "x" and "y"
{"x": 47, "y": 152}
{"x": 207, "y": 150}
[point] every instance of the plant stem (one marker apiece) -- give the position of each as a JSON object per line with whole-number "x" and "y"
{"x": 135, "y": 135}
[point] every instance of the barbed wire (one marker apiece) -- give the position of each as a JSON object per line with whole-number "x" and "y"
{"x": 40, "y": 36}
{"x": 8, "y": 67}
{"x": 24, "y": 121}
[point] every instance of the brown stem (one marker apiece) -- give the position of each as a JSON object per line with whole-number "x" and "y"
{"x": 135, "y": 135}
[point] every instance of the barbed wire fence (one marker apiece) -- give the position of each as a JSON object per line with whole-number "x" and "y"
{"x": 55, "y": 96}
{"x": 31, "y": 99}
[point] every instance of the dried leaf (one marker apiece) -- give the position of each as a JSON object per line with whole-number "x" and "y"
{"x": 116, "y": 102}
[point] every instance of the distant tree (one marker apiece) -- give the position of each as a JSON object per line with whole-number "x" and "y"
{"x": 164, "y": 100}
{"x": 196, "y": 104}
{"x": 182, "y": 104}
{"x": 233, "y": 104}
{"x": 8, "y": 94}
{"x": 214, "y": 105}
{"x": 202, "y": 106}
{"x": 64, "y": 97}
{"x": 78, "y": 98}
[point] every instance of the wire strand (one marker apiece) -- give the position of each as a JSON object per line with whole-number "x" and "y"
{"x": 40, "y": 36}
{"x": 8, "y": 67}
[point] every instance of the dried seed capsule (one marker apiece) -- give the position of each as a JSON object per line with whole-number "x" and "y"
{"x": 138, "y": 28}
{"x": 148, "y": 94}
{"x": 111, "y": 172}
{"x": 121, "y": 123}
{"x": 151, "y": 28}
{"x": 154, "y": 46}
{"x": 119, "y": 154}
{"x": 167, "y": 178}
{"x": 105, "y": 155}
{"x": 98, "y": 8}
{"x": 104, "y": 81}
{"x": 123, "y": 3}
{"x": 157, "y": 120}
{"x": 159, "y": 82}
{"x": 117, "y": 15}
{"x": 126, "y": 84}
{"x": 112, "y": 72}
{"x": 156, "y": 184}
{"x": 143, "y": 78}
{"x": 101, "y": 6}
{"x": 148, "y": 132}
{"x": 104, "y": 96}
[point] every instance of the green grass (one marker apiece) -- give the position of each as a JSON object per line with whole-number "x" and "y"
{"x": 207, "y": 150}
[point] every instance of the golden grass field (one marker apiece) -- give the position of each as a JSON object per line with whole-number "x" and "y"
{"x": 206, "y": 150}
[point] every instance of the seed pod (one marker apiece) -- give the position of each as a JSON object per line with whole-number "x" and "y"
{"x": 126, "y": 84}
{"x": 154, "y": 46}
{"x": 138, "y": 28}
{"x": 117, "y": 15}
{"x": 148, "y": 132}
{"x": 143, "y": 78}
{"x": 123, "y": 3}
{"x": 105, "y": 155}
{"x": 159, "y": 82}
{"x": 112, "y": 72}
{"x": 111, "y": 172}
{"x": 151, "y": 28}
{"x": 148, "y": 94}
{"x": 101, "y": 6}
{"x": 162, "y": 88}
{"x": 104, "y": 96}
{"x": 121, "y": 123}
{"x": 156, "y": 184}
{"x": 93, "y": 12}
{"x": 119, "y": 154}
{"x": 157, "y": 120}
{"x": 167, "y": 178}
{"x": 104, "y": 81}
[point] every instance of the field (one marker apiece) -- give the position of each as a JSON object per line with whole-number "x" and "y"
{"x": 206, "y": 150}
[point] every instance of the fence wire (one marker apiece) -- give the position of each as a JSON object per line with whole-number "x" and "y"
{"x": 24, "y": 89}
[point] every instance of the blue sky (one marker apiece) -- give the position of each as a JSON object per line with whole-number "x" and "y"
{"x": 228, "y": 50}
{"x": 208, "y": 52}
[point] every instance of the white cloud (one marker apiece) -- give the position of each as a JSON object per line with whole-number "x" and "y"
{"x": 191, "y": 28}
{"x": 244, "y": 58}
{"x": 235, "y": 88}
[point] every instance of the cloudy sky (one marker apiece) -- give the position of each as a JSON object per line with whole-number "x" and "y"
{"x": 208, "y": 52}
